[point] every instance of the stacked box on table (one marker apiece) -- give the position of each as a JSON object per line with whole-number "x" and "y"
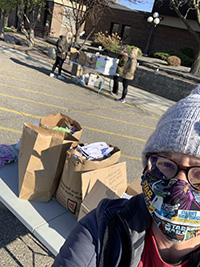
{"x": 91, "y": 60}
{"x": 112, "y": 183}
{"x": 82, "y": 58}
{"x": 106, "y": 65}
{"x": 102, "y": 189}
{"x": 74, "y": 54}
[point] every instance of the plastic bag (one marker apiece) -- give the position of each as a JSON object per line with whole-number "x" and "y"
{"x": 7, "y": 155}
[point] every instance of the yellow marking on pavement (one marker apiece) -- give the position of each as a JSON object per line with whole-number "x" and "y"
{"x": 121, "y": 135}
{"x": 26, "y": 81}
{"x": 13, "y": 70}
{"x": 16, "y": 131}
{"x": 84, "y": 127}
{"x": 130, "y": 157}
{"x": 68, "y": 99}
{"x": 31, "y": 70}
{"x": 10, "y": 130}
{"x": 78, "y": 111}
{"x": 20, "y": 113}
{"x": 54, "y": 81}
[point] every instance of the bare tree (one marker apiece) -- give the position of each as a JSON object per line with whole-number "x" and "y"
{"x": 183, "y": 8}
{"x": 29, "y": 12}
{"x": 81, "y": 10}
{"x": 6, "y": 6}
{"x": 95, "y": 16}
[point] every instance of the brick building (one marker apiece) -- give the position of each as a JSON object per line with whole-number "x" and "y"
{"x": 53, "y": 21}
{"x": 172, "y": 32}
{"x": 131, "y": 25}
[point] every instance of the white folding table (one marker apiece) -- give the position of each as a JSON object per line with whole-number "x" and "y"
{"x": 103, "y": 76}
{"x": 49, "y": 222}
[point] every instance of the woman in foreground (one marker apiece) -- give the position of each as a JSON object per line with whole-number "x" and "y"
{"x": 161, "y": 226}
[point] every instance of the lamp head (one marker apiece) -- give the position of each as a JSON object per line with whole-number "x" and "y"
{"x": 156, "y": 21}
{"x": 155, "y": 14}
{"x": 150, "y": 19}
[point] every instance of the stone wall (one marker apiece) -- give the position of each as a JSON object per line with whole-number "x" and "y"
{"x": 162, "y": 83}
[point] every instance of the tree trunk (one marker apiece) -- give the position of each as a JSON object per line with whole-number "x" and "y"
{"x": 195, "y": 69}
{"x": 76, "y": 36}
{"x": 31, "y": 40}
{"x": 3, "y": 19}
{"x": 1, "y": 24}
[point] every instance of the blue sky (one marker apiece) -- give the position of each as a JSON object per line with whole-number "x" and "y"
{"x": 146, "y": 5}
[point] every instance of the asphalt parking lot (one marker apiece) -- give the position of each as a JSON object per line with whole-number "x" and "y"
{"x": 27, "y": 94}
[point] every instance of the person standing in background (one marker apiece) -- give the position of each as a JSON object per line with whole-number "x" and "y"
{"x": 63, "y": 47}
{"x": 123, "y": 58}
{"x": 128, "y": 74}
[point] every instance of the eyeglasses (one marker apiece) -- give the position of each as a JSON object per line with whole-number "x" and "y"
{"x": 165, "y": 168}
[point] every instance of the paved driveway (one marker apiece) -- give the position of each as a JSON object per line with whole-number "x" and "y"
{"x": 28, "y": 93}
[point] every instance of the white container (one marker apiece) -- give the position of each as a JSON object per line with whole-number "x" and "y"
{"x": 92, "y": 80}
{"x": 106, "y": 65}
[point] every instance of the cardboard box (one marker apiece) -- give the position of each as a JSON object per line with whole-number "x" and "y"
{"x": 92, "y": 80}
{"x": 97, "y": 193}
{"x": 134, "y": 188}
{"x": 106, "y": 65}
{"x": 82, "y": 58}
{"x": 100, "y": 190}
{"x": 113, "y": 177}
{"x": 74, "y": 54}
{"x": 77, "y": 70}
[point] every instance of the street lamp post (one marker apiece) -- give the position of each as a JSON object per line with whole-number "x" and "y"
{"x": 154, "y": 20}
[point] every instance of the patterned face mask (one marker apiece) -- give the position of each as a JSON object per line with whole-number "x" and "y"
{"x": 174, "y": 206}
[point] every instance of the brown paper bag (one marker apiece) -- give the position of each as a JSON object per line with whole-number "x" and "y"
{"x": 74, "y": 54}
{"x": 90, "y": 61}
{"x": 53, "y": 120}
{"x": 69, "y": 192}
{"x": 41, "y": 159}
{"x": 82, "y": 58}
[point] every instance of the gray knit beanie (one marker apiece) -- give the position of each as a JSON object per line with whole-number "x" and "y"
{"x": 178, "y": 130}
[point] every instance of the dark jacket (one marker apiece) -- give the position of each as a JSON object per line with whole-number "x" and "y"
{"x": 112, "y": 235}
{"x": 63, "y": 47}
{"x": 120, "y": 67}
{"x": 123, "y": 221}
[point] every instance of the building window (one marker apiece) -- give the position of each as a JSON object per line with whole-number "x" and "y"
{"x": 67, "y": 20}
{"x": 125, "y": 31}
{"x": 114, "y": 28}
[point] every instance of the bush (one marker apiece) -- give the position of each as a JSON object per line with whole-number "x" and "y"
{"x": 185, "y": 60}
{"x": 188, "y": 51}
{"x": 116, "y": 49}
{"x": 174, "y": 61}
{"x": 161, "y": 55}
{"x": 105, "y": 40}
{"x": 8, "y": 30}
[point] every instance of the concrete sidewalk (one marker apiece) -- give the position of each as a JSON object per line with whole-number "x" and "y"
{"x": 147, "y": 100}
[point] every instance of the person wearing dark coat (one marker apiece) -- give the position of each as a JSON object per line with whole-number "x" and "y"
{"x": 161, "y": 226}
{"x": 63, "y": 47}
